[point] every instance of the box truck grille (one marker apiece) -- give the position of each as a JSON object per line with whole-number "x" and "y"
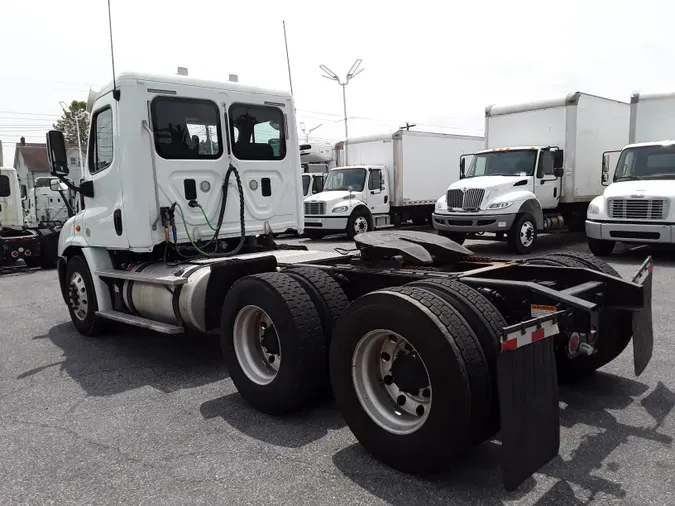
{"x": 468, "y": 199}
{"x": 315, "y": 208}
{"x": 651, "y": 209}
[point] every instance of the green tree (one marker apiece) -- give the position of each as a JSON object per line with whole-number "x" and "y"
{"x": 76, "y": 112}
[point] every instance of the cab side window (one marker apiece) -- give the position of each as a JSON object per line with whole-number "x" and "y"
{"x": 375, "y": 180}
{"x": 258, "y": 132}
{"x": 101, "y": 142}
{"x": 546, "y": 164}
{"x": 5, "y": 189}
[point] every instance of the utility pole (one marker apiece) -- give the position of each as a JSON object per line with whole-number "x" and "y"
{"x": 353, "y": 72}
{"x": 288, "y": 60}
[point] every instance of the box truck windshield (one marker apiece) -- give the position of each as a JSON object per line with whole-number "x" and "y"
{"x": 646, "y": 162}
{"x": 344, "y": 179}
{"x": 503, "y": 163}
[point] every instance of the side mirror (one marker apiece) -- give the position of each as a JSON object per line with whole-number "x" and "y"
{"x": 462, "y": 167}
{"x": 54, "y": 184}
{"x": 558, "y": 159}
{"x": 558, "y": 172}
{"x": 56, "y": 151}
{"x": 604, "y": 178}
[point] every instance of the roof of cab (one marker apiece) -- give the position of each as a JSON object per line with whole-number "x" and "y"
{"x": 132, "y": 78}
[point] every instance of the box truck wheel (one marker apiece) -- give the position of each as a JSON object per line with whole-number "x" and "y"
{"x": 273, "y": 343}
{"x": 523, "y": 234}
{"x": 82, "y": 297}
{"x": 615, "y": 327}
{"x": 359, "y": 222}
{"x": 601, "y": 248}
{"x": 401, "y": 381}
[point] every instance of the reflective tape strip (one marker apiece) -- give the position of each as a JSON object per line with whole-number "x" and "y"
{"x": 418, "y": 202}
{"x": 529, "y": 335}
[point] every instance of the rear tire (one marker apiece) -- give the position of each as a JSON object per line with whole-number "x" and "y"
{"x": 616, "y": 328}
{"x": 453, "y": 236}
{"x": 417, "y": 441}
{"x": 81, "y": 297}
{"x": 601, "y": 248}
{"x": 273, "y": 343}
{"x": 487, "y": 323}
{"x": 523, "y": 235}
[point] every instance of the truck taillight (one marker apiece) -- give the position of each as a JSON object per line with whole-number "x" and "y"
{"x": 27, "y": 253}
{"x": 15, "y": 254}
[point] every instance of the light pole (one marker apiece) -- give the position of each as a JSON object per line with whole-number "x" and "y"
{"x": 77, "y": 119}
{"x": 306, "y": 134}
{"x": 353, "y": 72}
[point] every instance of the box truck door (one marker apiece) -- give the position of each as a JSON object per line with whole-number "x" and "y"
{"x": 378, "y": 196}
{"x": 546, "y": 185}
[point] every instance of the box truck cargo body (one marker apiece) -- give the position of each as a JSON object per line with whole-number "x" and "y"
{"x": 637, "y": 207}
{"x": 390, "y": 179}
{"x": 538, "y": 171}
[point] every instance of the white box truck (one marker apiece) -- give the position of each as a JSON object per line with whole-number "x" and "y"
{"x": 390, "y": 179}
{"x": 538, "y": 172}
{"x": 637, "y": 206}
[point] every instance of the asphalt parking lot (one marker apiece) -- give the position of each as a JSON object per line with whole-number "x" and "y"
{"x": 141, "y": 418}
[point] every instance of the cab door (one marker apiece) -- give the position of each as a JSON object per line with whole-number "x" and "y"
{"x": 378, "y": 196}
{"x": 546, "y": 185}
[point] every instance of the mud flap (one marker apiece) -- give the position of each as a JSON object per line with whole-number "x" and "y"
{"x": 643, "y": 332}
{"x": 530, "y": 415}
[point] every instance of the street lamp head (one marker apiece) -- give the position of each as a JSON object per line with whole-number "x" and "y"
{"x": 329, "y": 73}
{"x": 352, "y": 70}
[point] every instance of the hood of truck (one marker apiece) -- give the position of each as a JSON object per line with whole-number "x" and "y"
{"x": 331, "y": 196}
{"x": 646, "y": 189}
{"x": 487, "y": 182}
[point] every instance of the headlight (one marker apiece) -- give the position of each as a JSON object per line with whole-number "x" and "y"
{"x": 341, "y": 209}
{"x": 593, "y": 209}
{"x": 500, "y": 205}
{"x": 441, "y": 204}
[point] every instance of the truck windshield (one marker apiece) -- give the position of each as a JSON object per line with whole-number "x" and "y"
{"x": 503, "y": 163}
{"x": 305, "y": 184}
{"x": 647, "y": 162}
{"x": 343, "y": 179}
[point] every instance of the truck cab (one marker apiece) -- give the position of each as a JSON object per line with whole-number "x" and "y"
{"x": 354, "y": 199}
{"x": 313, "y": 182}
{"x": 637, "y": 207}
{"x": 499, "y": 187}
{"x": 11, "y": 210}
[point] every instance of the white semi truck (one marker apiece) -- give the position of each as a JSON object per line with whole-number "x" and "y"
{"x": 47, "y": 206}
{"x": 424, "y": 346}
{"x": 637, "y": 207}
{"x": 390, "y": 179}
{"x": 35, "y": 244}
{"x": 538, "y": 172}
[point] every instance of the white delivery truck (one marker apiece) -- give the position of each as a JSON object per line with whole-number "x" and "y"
{"x": 537, "y": 173}
{"x": 637, "y": 206}
{"x": 316, "y": 158}
{"x": 390, "y": 179}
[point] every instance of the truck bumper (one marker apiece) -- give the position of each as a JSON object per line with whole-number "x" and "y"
{"x": 630, "y": 232}
{"x": 468, "y": 223}
{"x": 314, "y": 222}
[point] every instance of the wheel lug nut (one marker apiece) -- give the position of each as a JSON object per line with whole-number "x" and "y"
{"x": 400, "y": 400}
{"x": 388, "y": 379}
{"x": 385, "y": 356}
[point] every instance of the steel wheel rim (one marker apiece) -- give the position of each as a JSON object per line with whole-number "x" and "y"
{"x": 79, "y": 299}
{"x": 254, "y": 346}
{"x": 380, "y": 397}
{"x": 527, "y": 234}
{"x": 360, "y": 225}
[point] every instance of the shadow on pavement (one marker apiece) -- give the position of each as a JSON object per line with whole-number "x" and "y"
{"x": 127, "y": 358}
{"x": 290, "y": 431}
{"x": 477, "y": 480}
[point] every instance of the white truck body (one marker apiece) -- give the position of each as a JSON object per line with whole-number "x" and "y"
{"x": 46, "y": 206}
{"x": 524, "y": 142}
{"x": 412, "y": 166}
{"x": 11, "y": 210}
{"x": 638, "y": 206}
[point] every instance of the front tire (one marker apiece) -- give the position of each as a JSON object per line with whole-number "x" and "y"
{"x": 601, "y": 248}
{"x": 359, "y": 222}
{"x": 273, "y": 343}
{"x": 523, "y": 234}
{"x": 81, "y": 297}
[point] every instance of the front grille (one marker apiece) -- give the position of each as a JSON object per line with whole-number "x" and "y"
{"x": 470, "y": 198}
{"x": 629, "y": 209}
{"x": 315, "y": 208}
